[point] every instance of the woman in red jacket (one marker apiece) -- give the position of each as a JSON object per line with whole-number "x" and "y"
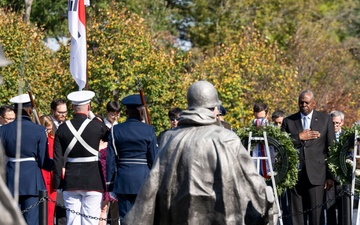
{"x": 48, "y": 176}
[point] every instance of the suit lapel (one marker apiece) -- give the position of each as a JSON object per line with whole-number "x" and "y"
{"x": 314, "y": 125}
{"x": 298, "y": 122}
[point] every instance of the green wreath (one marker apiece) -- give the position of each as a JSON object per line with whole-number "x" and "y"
{"x": 286, "y": 160}
{"x": 340, "y": 156}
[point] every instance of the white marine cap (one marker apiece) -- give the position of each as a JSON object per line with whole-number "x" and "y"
{"x": 80, "y": 97}
{"x": 24, "y": 99}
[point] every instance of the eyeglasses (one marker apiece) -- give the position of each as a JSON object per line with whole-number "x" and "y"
{"x": 62, "y": 113}
{"x": 336, "y": 123}
{"x": 9, "y": 119}
{"x": 174, "y": 118}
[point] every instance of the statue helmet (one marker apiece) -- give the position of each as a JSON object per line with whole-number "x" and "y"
{"x": 202, "y": 94}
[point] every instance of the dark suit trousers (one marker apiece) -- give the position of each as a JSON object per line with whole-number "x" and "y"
{"x": 305, "y": 196}
{"x": 333, "y": 205}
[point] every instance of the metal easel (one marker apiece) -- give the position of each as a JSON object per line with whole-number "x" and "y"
{"x": 356, "y": 156}
{"x": 268, "y": 159}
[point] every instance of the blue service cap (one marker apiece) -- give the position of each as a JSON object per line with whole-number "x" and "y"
{"x": 132, "y": 100}
{"x": 222, "y": 110}
{"x": 23, "y": 99}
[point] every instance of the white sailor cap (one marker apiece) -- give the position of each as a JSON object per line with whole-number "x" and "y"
{"x": 80, "y": 97}
{"x": 23, "y": 99}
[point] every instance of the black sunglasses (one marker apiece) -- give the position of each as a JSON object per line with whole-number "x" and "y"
{"x": 174, "y": 118}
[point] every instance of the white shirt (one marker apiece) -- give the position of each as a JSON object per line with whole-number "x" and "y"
{"x": 57, "y": 123}
{"x": 337, "y": 135}
{"x": 108, "y": 124}
{"x": 309, "y": 116}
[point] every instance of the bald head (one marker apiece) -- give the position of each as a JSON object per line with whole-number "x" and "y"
{"x": 306, "y": 102}
{"x": 307, "y": 92}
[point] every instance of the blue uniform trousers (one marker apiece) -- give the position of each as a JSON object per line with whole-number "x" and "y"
{"x": 32, "y": 216}
{"x": 125, "y": 203}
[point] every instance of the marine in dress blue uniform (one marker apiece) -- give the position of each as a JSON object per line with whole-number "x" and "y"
{"x": 131, "y": 152}
{"x": 33, "y": 157}
{"x": 77, "y": 146}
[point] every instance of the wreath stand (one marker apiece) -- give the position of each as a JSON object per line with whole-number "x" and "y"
{"x": 267, "y": 158}
{"x": 356, "y": 156}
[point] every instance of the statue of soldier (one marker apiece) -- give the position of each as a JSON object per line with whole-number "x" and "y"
{"x": 203, "y": 174}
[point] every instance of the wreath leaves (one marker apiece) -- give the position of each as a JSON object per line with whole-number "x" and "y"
{"x": 340, "y": 153}
{"x": 286, "y": 162}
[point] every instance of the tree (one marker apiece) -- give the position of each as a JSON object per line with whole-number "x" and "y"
{"x": 120, "y": 51}
{"x": 248, "y": 71}
{"x": 51, "y": 16}
{"x": 28, "y": 4}
{"x": 32, "y": 61}
{"x": 327, "y": 67}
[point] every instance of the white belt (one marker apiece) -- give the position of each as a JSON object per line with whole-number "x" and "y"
{"x": 83, "y": 159}
{"x": 21, "y": 159}
{"x": 133, "y": 161}
{"x": 140, "y": 163}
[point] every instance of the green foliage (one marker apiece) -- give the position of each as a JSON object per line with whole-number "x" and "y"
{"x": 327, "y": 67}
{"x": 248, "y": 71}
{"x": 285, "y": 141}
{"x": 155, "y": 12}
{"x": 339, "y": 160}
{"x": 251, "y": 50}
{"x": 32, "y": 61}
{"x": 319, "y": 39}
{"x": 51, "y": 15}
{"x": 120, "y": 52}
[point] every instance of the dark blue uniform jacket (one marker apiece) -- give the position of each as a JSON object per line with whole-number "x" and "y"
{"x": 136, "y": 147}
{"x": 33, "y": 144}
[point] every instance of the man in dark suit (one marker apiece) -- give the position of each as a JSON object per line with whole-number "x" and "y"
{"x": 131, "y": 152}
{"x": 333, "y": 218}
{"x": 58, "y": 115}
{"x": 312, "y": 133}
{"x": 58, "y": 112}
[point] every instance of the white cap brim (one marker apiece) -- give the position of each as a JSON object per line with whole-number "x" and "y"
{"x": 80, "y": 97}
{"x": 24, "y": 98}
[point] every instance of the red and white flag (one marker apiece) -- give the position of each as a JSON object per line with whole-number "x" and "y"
{"x": 77, "y": 28}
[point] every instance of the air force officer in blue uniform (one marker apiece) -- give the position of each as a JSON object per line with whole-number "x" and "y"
{"x": 131, "y": 152}
{"x": 33, "y": 157}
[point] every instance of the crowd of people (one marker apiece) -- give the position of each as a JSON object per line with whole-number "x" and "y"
{"x": 196, "y": 172}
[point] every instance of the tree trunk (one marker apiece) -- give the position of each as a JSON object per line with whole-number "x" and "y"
{"x": 28, "y": 4}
